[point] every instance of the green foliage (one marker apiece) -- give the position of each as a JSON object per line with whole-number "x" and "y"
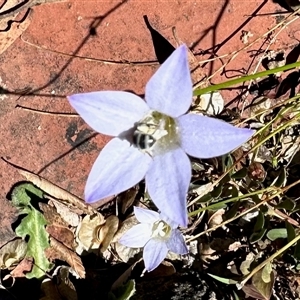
{"x": 33, "y": 226}
{"x": 223, "y": 280}
{"x": 123, "y": 292}
{"x": 242, "y": 79}
{"x": 277, "y": 233}
{"x": 259, "y": 229}
{"x": 21, "y": 194}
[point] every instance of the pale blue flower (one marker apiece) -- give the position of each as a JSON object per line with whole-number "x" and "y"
{"x": 156, "y": 234}
{"x": 166, "y": 166}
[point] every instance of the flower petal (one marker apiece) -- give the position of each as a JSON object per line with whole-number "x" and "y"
{"x": 176, "y": 243}
{"x": 169, "y": 90}
{"x": 109, "y": 112}
{"x": 145, "y": 215}
{"x": 155, "y": 252}
{"x": 118, "y": 167}
{"x": 167, "y": 180}
{"x": 206, "y": 137}
{"x": 137, "y": 236}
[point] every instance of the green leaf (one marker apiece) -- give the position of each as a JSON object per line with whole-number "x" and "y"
{"x": 266, "y": 273}
{"x": 280, "y": 180}
{"x": 236, "y": 297}
{"x": 240, "y": 174}
{"x": 217, "y": 191}
{"x": 256, "y": 236}
{"x": 222, "y": 279}
{"x": 123, "y": 292}
{"x": 297, "y": 251}
{"x": 33, "y": 227}
{"x": 230, "y": 191}
{"x": 287, "y": 204}
{"x": 21, "y": 194}
{"x": 291, "y": 234}
{"x": 260, "y": 222}
{"x": 278, "y": 233}
{"x": 232, "y": 211}
{"x": 241, "y": 79}
{"x": 204, "y": 199}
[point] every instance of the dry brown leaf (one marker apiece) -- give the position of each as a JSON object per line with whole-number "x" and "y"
{"x": 69, "y": 216}
{"x": 125, "y": 226}
{"x": 62, "y": 234}
{"x": 123, "y": 252}
{"x": 63, "y": 253}
{"x": 56, "y": 191}
{"x": 107, "y": 232}
{"x": 211, "y": 103}
{"x": 86, "y": 234}
{"x": 216, "y": 218}
{"x": 51, "y": 215}
{"x": 127, "y": 198}
{"x": 12, "y": 253}
{"x": 23, "y": 267}
{"x": 207, "y": 253}
{"x": 9, "y": 33}
{"x": 234, "y": 246}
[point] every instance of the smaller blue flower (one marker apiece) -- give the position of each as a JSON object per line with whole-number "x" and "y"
{"x": 156, "y": 234}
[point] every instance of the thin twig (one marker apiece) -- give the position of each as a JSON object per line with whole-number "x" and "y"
{"x": 71, "y": 115}
{"x": 99, "y": 60}
{"x": 236, "y": 53}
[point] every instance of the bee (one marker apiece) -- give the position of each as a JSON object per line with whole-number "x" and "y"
{"x": 147, "y": 133}
{"x": 143, "y": 141}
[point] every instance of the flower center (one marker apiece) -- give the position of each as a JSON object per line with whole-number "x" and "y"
{"x": 161, "y": 230}
{"x": 156, "y": 133}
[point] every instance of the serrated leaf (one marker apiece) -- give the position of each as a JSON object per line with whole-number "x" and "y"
{"x": 32, "y": 226}
{"x": 65, "y": 254}
{"x": 277, "y": 233}
{"x": 21, "y": 194}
